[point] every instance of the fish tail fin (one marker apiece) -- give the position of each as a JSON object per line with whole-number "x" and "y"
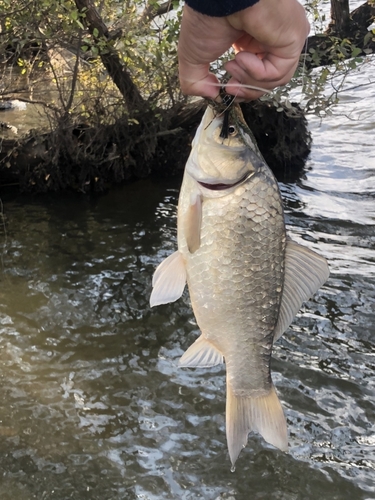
{"x": 263, "y": 414}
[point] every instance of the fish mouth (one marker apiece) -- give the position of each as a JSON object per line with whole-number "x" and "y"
{"x": 220, "y": 186}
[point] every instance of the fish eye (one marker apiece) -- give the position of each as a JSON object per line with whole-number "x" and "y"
{"x": 232, "y": 131}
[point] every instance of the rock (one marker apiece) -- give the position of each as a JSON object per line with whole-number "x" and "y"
{"x": 12, "y": 104}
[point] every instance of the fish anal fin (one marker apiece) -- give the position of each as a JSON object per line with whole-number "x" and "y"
{"x": 193, "y": 223}
{"x": 305, "y": 273}
{"x": 263, "y": 414}
{"x": 201, "y": 354}
{"x": 169, "y": 280}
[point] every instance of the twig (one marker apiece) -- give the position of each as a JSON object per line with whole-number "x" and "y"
{"x": 75, "y": 74}
{"x": 151, "y": 11}
{"x": 159, "y": 134}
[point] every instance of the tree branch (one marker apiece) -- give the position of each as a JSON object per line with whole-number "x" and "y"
{"x": 340, "y": 17}
{"x": 153, "y": 10}
{"x": 109, "y": 56}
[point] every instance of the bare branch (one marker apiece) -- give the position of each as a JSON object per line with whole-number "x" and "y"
{"x": 109, "y": 56}
{"x": 154, "y": 10}
{"x": 75, "y": 75}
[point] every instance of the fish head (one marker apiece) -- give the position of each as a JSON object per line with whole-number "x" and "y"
{"x": 224, "y": 152}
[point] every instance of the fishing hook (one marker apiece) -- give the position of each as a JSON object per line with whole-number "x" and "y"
{"x": 227, "y": 100}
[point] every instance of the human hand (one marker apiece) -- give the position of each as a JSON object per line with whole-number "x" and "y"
{"x": 268, "y": 39}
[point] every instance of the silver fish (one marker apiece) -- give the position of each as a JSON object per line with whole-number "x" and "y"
{"x": 246, "y": 279}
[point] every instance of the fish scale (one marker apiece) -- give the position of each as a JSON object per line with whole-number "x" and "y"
{"x": 250, "y": 268}
{"x": 246, "y": 279}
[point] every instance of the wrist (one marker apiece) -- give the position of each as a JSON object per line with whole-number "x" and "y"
{"x": 219, "y": 8}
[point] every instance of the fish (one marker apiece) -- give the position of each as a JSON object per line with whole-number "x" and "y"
{"x": 246, "y": 278}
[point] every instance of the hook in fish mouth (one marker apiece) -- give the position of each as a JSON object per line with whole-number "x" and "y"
{"x": 227, "y": 101}
{"x": 220, "y": 186}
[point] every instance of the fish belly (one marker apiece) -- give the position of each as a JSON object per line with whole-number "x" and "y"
{"x": 235, "y": 278}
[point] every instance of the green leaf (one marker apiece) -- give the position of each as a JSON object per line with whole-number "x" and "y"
{"x": 367, "y": 38}
{"x": 356, "y": 51}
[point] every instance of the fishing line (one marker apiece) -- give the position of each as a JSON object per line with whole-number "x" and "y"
{"x": 227, "y": 100}
{"x": 242, "y": 85}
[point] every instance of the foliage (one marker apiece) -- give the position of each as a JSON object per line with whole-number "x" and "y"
{"x": 325, "y": 66}
{"x": 323, "y": 69}
{"x": 317, "y": 90}
{"x": 105, "y": 79}
{"x": 47, "y": 43}
{"x": 48, "y": 40}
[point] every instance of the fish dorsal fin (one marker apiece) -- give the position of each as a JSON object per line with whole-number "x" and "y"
{"x": 193, "y": 223}
{"x": 305, "y": 273}
{"x": 169, "y": 280}
{"x": 201, "y": 353}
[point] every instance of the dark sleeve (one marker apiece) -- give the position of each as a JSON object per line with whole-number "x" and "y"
{"x": 219, "y": 8}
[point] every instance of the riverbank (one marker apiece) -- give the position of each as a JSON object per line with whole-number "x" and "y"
{"x": 79, "y": 157}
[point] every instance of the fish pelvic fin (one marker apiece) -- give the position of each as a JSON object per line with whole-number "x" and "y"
{"x": 201, "y": 354}
{"x": 169, "y": 280}
{"x": 263, "y": 414}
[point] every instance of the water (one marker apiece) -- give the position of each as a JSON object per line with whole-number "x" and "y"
{"x": 92, "y": 404}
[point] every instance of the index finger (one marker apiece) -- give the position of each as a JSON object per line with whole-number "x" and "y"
{"x": 269, "y": 68}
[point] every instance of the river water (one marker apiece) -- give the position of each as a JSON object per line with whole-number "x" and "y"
{"x": 92, "y": 404}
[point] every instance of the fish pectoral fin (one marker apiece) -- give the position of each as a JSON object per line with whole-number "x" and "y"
{"x": 169, "y": 280}
{"x": 305, "y": 273}
{"x": 263, "y": 414}
{"x": 193, "y": 223}
{"x": 202, "y": 353}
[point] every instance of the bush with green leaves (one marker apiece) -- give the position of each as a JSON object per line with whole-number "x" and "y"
{"x": 56, "y": 44}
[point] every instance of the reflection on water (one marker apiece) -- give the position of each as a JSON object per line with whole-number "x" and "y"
{"x": 92, "y": 404}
